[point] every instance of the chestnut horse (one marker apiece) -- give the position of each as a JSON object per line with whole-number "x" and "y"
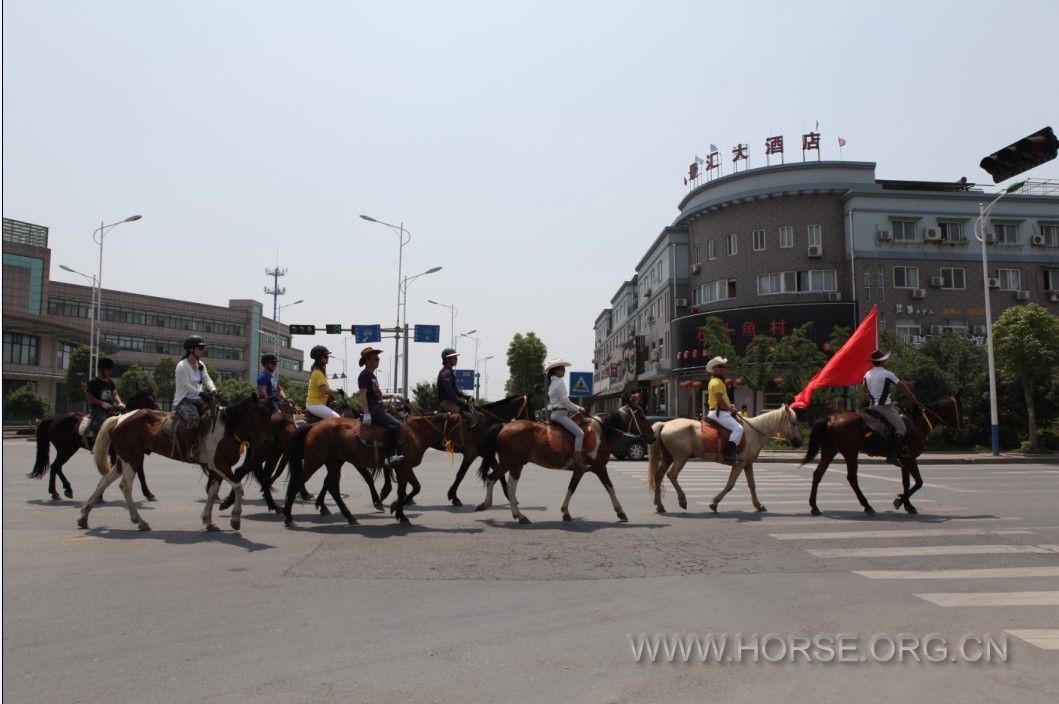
{"x": 845, "y": 432}
{"x": 335, "y": 441}
{"x": 133, "y": 434}
{"x": 682, "y": 439}
{"x": 522, "y": 441}
{"x": 61, "y": 431}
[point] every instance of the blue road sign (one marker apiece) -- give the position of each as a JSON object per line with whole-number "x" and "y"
{"x": 464, "y": 379}
{"x": 368, "y": 333}
{"x": 427, "y": 333}
{"x": 580, "y": 383}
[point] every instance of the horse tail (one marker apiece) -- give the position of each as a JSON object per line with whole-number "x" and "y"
{"x": 295, "y": 450}
{"x": 654, "y": 455}
{"x": 488, "y": 452}
{"x": 41, "y": 465}
{"x": 816, "y": 438}
{"x": 101, "y": 450}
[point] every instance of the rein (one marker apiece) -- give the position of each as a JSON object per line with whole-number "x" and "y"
{"x": 925, "y": 409}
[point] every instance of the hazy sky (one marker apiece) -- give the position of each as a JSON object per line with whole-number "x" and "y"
{"x": 534, "y": 150}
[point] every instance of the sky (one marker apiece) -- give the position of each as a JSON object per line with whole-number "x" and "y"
{"x": 534, "y": 150}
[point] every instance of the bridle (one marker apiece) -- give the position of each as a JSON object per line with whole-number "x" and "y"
{"x": 924, "y": 410}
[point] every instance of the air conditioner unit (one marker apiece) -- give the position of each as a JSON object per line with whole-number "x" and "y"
{"x": 919, "y": 293}
{"x": 993, "y": 282}
{"x": 1053, "y": 297}
{"x": 816, "y": 250}
{"x": 834, "y": 296}
{"x": 696, "y": 268}
{"x": 937, "y": 281}
{"x": 932, "y": 234}
{"x": 885, "y": 236}
{"x": 1022, "y": 295}
{"x": 935, "y": 329}
{"x": 682, "y": 303}
{"x": 1038, "y": 240}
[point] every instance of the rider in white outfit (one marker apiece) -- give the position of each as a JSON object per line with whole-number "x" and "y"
{"x": 560, "y": 406}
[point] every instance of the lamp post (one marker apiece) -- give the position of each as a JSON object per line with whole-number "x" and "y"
{"x": 279, "y": 311}
{"x": 404, "y": 306}
{"x": 983, "y": 215}
{"x": 91, "y": 314}
{"x": 452, "y": 318}
{"x": 477, "y": 341}
{"x": 403, "y": 237}
{"x": 102, "y": 231}
{"x": 485, "y": 373}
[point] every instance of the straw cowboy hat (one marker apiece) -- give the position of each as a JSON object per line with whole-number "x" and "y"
{"x": 367, "y": 352}
{"x": 555, "y": 362}
{"x": 879, "y": 356}
{"x": 716, "y": 362}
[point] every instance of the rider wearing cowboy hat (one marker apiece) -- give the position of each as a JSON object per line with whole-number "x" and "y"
{"x": 102, "y": 396}
{"x": 560, "y": 406}
{"x": 320, "y": 392}
{"x": 194, "y": 389}
{"x": 721, "y": 409}
{"x": 450, "y": 399}
{"x": 371, "y": 396}
{"x": 879, "y": 382}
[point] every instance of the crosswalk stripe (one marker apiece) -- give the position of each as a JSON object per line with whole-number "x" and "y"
{"x": 979, "y": 573}
{"x": 926, "y": 550}
{"x": 933, "y": 486}
{"x": 897, "y": 533}
{"x": 1043, "y": 638}
{"x": 992, "y": 598}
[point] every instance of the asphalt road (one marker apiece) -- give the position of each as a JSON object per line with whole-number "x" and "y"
{"x": 470, "y": 607}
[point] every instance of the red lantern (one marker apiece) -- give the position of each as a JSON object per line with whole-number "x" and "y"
{"x": 694, "y": 354}
{"x": 696, "y": 384}
{"x": 739, "y": 382}
{"x": 778, "y": 381}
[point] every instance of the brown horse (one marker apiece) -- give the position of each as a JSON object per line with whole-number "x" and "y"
{"x": 520, "y": 442}
{"x": 846, "y": 433}
{"x": 134, "y": 433}
{"x": 61, "y": 431}
{"x": 335, "y": 441}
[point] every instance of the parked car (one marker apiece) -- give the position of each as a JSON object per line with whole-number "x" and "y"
{"x": 633, "y": 447}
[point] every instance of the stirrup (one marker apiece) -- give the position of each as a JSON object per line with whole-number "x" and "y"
{"x": 394, "y": 460}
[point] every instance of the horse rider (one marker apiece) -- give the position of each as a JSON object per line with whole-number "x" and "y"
{"x": 450, "y": 398}
{"x": 193, "y": 392}
{"x": 560, "y": 407}
{"x": 721, "y": 409}
{"x": 320, "y": 392}
{"x": 268, "y": 387}
{"x": 102, "y": 396}
{"x": 371, "y": 397}
{"x": 879, "y": 382}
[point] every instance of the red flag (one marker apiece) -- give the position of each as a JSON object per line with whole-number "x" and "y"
{"x": 849, "y": 364}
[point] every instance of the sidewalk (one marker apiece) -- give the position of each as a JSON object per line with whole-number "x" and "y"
{"x": 945, "y": 457}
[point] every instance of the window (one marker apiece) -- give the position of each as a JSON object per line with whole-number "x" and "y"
{"x": 759, "y": 240}
{"x": 953, "y": 278}
{"x": 1006, "y": 232}
{"x": 904, "y": 230}
{"x": 952, "y": 231}
{"x": 713, "y": 291}
{"x": 698, "y": 254}
{"x": 906, "y": 277}
{"x": 956, "y": 325}
{"x": 817, "y": 280}
{"x": 1050, "y": 233}
{"x": 815, "y": 236}
{"x": 1010, "y": 279}
{"x": 1051, "y": 279}
{"x": 907, "y": 329}
{"x": 786, "y": 237}
{"x": 20, "y": 349}
{"x": 63, "y": 354}
{"x": 711, "y": 249}
{"x": 731, "y": 244}
{"x": 769, "y": 283}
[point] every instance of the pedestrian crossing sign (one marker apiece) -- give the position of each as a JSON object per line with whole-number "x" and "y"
{"x": 580, "y": 383}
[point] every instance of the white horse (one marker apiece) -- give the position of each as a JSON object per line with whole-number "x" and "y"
{"x": 681, "y": 439}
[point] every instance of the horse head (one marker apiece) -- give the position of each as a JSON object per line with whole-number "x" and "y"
{"x": 252, "y": 416}
{"x": 636, "y": 422}
{"x": 948, "y": 412}
{"x": 789, "y": 426}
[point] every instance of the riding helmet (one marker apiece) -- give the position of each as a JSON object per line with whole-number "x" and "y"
{"x": 104, "y": 363}
{"x": 194, "y": 341}
{"x": 319, "y": 351}
{"x": 268, "y": 357}
{"x": 448, "y": 352}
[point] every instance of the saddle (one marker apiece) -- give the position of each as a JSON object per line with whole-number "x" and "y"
{"x": 715, "y": 437}
{"x": 561, "y": 442}
{"x": 183, "y": 438}
{"x": 371, "y": 435}
{"x": 880, "y": 436}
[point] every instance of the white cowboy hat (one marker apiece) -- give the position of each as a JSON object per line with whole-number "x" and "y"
{"x": 716, "y": 362}
{"x": 555, "y": 362}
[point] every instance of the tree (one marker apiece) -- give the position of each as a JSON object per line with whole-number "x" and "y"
{"x": 232, "y": 391}
{"x": 27, "y": 402}
{"x": 77, "y": 375}
{"x": 525, "y": 363}
{"x": 425, "y": 396}
{"x": 1026, "y": 347}
{"x": 132, "y": 380}
{"x": 715, "y": 339}
{"x": 164, "y": 376}
{"x": 296, "y": 391}
{"x": 799, "y": 358}
{"x": 757, "y": 366}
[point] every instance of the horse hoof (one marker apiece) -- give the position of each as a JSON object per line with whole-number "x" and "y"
{"x": 682, "y": 502}
{"x": 224, "y": 505}
{"x": 82, "y": 523}
{"x": 713, "y": 507}
{"x": 911, "y": 509}
{"x": 761, "y": 508}
{"x": 480, "y": 507}
{"x": 144, "y": 527}
{"x": 288, "y": 522}
{"x": 523, "y": 520}
{"x": 68, "y": 493}
{"x": 210, "y": 528}
{"x": 393, "y": 507}
{"x": 566, "y": 517}
{"x": 456, "y": 501}
{"x": 869, "y": 510}
{"x": 324, "y": 511}
{"x": 150, "y": 497}
{"x": 815, "y": 511}
{"x": 351, "y": 521}
{"x": 405, "y": 522}
{"x": 379, "y": 507}
{"x": 660, "y": 509}
{"x": 622, "y": 517}
{"x": 235, "y": 524}
{"x": 897, "y": 502}
{"x": 410, "y": 502}
{"x": 55, "y": 496}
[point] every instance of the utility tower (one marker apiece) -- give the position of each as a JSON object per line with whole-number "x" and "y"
{"x": 275, "y": 291}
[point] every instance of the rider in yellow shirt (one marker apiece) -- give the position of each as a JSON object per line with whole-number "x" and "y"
{"x": 721, "y": 409}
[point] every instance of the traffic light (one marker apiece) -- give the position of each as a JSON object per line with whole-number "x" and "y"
{"x": 1028, "y": 152}
{"x": 333, "y": 328}
{"x": 302, "y": 329}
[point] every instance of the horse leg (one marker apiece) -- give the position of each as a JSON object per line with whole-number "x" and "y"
{"x": 240, "y": 474}
{"x": 737, "y": 469}
{"x": 416, "y": 486}
{"x": 376, "y": 501}
{"x": 143, "y": 484}
{"x": 61, "y": 457}
{"x": 913, "y": 468}
{"x": 321, "y": 506}
{"x": 674, "y": 471}
{"x": 128, "y": 473}
{"x": 387, "y": 483}
{"x": 488, "y": 500}
{"x": 207, "y": 512}
{"x": 656, "y": 486}
{"x": 749, "y": 472}
{"x": 460, "y": 474}
{"x": 512, "y": 488}
{"x": 397, "y": 507}
{"x": 827, "y": 453}
{"x": 104, "y": 482}
{"x": 332, "y": 482}
{"x": 570, "y": 489}
{"x": 604, "y": 478}
{"x": 900, "y": 498}
{"x": 851, "y": 477}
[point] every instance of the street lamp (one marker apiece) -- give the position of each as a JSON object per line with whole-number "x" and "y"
{"x": 452, "y": 318}
{"x": 983, "y": 215}
{"x": 403, "y": 300}
{"x": 403, "y": 237}
{"x": 91, "y": 315}
{"x": 102, "y": 231}
{"x": 485, "y": 373}
{"x": 279, "y": 313}
{"x": 476, "y": 343}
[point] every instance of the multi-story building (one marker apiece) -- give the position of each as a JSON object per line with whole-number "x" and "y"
{"x": 45, "y": 320}
{"x": 776, "y": 247}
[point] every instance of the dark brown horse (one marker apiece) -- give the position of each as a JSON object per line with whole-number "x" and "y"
{"x": 61, "y": 431}
{"x": 846, "y": 433}
{"x": 520, "y": 442}
{"x": 132, "y": 434}
{"x": 331, "y": 443}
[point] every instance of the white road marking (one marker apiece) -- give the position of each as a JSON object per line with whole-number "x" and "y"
{"x": 925, "y": 550}
{"x": 980, "y": 573}
{"x": 1043, "y": 638}
{"x": 992, "y": 598}
{"x": 933, "y": 486}
{"x": 896, "y": 533}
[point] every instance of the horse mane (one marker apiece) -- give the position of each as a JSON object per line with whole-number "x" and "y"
{"x": 611, "y": 422}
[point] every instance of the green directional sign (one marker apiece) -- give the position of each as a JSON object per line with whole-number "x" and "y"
{"x": 333, "y": 328}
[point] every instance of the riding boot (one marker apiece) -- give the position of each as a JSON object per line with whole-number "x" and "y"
{"x": 581, "y": 462}
{"x": 391, "y": 449}
{"x": 730, "y": 452}
{"x": 895, "y": 450}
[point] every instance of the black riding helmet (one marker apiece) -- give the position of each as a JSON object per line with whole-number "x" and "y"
{"x": 268, "y": 358}
{"x": 104, "y": 363}
{"x": 319, "y": 351}
{"x": 194, "y": 341}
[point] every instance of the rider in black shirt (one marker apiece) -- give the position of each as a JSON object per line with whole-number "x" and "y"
{"x": 102, "y": 396}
